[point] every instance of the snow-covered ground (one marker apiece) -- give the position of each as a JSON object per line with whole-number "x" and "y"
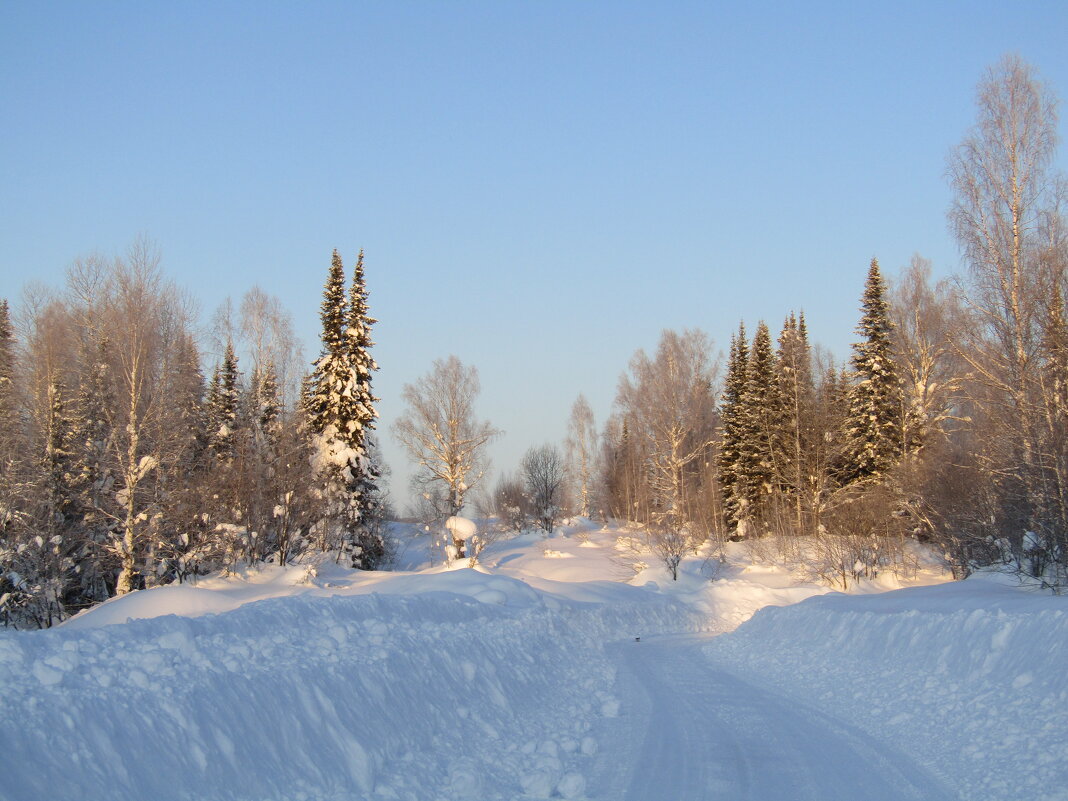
{"x": 555, "y": 669}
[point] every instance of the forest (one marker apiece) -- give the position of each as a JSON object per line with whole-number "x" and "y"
{"x": 127, "y": 462}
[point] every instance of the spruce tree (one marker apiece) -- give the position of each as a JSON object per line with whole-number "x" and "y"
{"x": 56, "y": 461}
{"x": 366, "y": 505}
{"x": 761, "y": 429}
{"x": 340, "y": 409}
{"x": 796, "y": 393}
{"x": 266, "y": 404}
{"x": 222, "y": 411}
{"x": 873, "y": 425}
{"x": 93, "y": 471}
{"x": 186, "y": 392}
{"x": 731, "y": 421}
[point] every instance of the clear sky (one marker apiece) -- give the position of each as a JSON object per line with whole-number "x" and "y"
{"x": 539, "y": 187}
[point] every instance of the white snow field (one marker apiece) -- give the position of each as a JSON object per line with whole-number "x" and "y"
{"x": 537, "y": 675}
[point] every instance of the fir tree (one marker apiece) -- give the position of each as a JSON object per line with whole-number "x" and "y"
{"x": 873, "y": 426}
{"x": 731, "y": 415}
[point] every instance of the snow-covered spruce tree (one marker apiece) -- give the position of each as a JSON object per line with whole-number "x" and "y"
{"x": 222, "y": 407}
{"x": 340, "y": 409}
{"x": 731, "y": 436}
{"x": 796, "y": 395}
{"x": 873, "y": 429}
{"x": 192, "y": 483}
{"x": 367, "y": 542}
{"x": 34, "y": 567}
{"x": 92, "y": 473}
{"x": 266, "y": 405}
{"x": 761, "y": 433}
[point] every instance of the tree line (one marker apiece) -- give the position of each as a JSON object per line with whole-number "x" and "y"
{"x": 948, "y": 425}
{"x": 123, "y": 466}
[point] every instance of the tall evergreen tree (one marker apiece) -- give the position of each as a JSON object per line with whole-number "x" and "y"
{"x": 761, "y": 429}
{"x": 323, "y": 390}
{"x": 56, "y": 460}
{"x": 796, "y": 393}
{"x": 340, "y": 407}
{"x": 367, "y": 505}
{"x": 873, "y": 426}
{"x": 732, "y": 431}
{"x": 94, "y": 472}
{"x": 8, "y": 413}
{"x": 266, "y": 404}
{"x": 186, "y": 392}
{"x": 223, "y": 402}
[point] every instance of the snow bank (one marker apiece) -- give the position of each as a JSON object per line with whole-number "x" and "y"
{"x": 969, "y": 677}
{"x": 474, "y": 687}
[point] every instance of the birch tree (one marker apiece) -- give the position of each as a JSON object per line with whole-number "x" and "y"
{"x": 1008, "y": 223}
{"x": 670, "y": 401}
{"x": 581, "y": 448}
{"x": 441, "y": 433}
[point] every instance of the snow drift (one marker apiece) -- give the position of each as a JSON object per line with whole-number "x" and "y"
{"x": 483, "y": 694}
{"x": 967, "y": 677}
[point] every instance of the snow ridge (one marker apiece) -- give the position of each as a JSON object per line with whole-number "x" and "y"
{"x": 330, "y": 697}
{"x": 967, "y": 677}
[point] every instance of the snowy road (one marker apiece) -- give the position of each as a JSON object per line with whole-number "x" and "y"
{"x": 689, "y": 730}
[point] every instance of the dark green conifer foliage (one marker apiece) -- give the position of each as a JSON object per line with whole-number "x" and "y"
{"x": 322, "y": 398}
{"x": 796, "y": 393}
{"x": 223, "y": 400}
{"x": 873, "y": 426}
{"x": 366, "y": 504}
{"x": 732, "y": 423}
{"x": 93, "y": 475}
{"x": 761, "y": 425}
{"x": 186, "y": 393}
{"x": 267, "y": 405}
{"x": 56, "y": 461}
{"x": 341, "y": 414}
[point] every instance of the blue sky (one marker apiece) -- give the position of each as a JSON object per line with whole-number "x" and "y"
{"x": 539, "y": 187}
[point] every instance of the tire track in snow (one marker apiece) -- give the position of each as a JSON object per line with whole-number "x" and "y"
{"x": 691, "y": 730}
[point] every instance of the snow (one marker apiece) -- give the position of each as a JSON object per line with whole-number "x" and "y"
{"x": 461, "y": 528}
{"x": 524, "y": 677}
{"x": 968, "y": 676}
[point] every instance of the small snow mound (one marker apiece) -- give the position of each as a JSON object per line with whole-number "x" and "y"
{"x": 461, "y": 528}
